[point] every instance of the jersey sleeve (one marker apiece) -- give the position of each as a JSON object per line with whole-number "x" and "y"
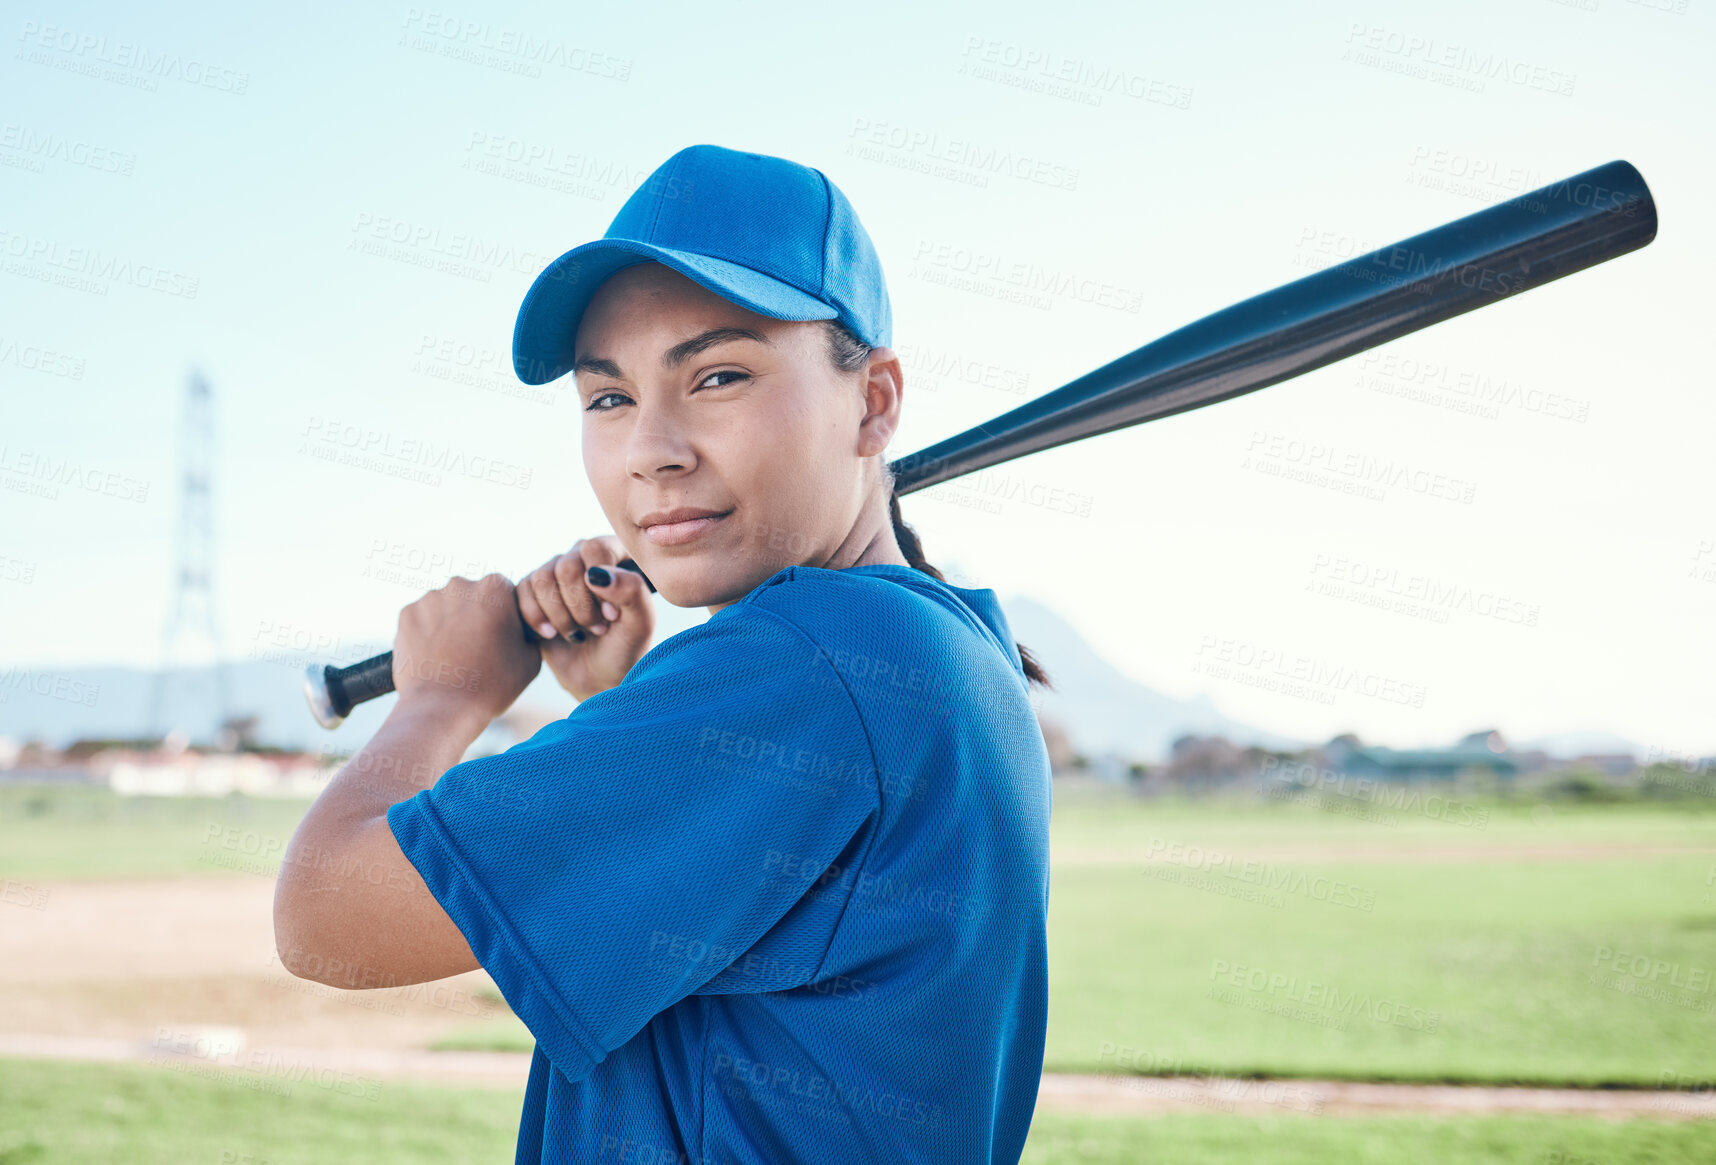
{"x": 616, "y": 861}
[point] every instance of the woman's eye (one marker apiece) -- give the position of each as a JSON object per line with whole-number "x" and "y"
{"x": 600, "y": 403}
{"x": 724, "y": 372}
{"x": 596, "y": 405}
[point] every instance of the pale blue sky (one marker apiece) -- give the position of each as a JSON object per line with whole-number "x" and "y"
{"x": 1263, "y": 140}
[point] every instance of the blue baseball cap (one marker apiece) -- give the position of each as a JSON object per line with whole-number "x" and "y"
{"x": 770, "y": 235}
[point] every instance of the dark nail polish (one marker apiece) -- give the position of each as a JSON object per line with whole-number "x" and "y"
{"x": 599, "y": 576}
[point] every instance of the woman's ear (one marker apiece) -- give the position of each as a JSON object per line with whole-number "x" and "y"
{"x": 884, "y": 384}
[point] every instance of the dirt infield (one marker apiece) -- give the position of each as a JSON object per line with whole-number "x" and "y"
{"x": 147, "y": 971}
{"x": 124, "y": 960}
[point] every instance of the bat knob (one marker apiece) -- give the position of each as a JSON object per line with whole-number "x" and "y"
{"x": 321, "y": 699}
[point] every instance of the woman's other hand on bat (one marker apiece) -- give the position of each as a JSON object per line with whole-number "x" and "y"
{"x": 594, "y": 617}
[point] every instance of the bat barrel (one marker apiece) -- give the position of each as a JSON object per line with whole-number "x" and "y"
{"x": 1466, "y": 264}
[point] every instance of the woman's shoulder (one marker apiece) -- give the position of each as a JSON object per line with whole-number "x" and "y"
{"x": 872, "y": 623}
{"x": 905, "y": 596}
{"x": 894, "y": 614}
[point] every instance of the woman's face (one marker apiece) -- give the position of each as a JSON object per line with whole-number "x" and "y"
{"x": 722, "y": 445}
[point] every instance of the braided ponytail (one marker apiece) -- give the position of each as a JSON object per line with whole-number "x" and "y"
{"x": 849, "y": 354}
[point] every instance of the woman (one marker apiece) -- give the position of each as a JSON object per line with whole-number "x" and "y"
{"x": 775, "y": 891}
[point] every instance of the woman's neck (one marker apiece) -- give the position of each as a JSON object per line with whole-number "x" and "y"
{"x": 870, "y": 543}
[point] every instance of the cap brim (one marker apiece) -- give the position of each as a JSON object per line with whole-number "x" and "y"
{"x": 542, "y": 340}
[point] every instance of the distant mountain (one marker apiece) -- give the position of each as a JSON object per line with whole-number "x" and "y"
{"x": 1105, "y": 711}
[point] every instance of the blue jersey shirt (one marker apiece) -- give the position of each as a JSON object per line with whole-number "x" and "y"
{"x": 780, "y": 895}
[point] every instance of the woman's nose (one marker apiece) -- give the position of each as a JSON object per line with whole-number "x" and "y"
{"x": 658, "y": 446}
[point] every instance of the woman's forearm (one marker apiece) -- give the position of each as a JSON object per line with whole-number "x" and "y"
{"x": 417, "y": 742}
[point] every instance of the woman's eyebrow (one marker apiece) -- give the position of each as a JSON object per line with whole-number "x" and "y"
{"x": 676, "y": 355}
{"x": 686, "y": 349}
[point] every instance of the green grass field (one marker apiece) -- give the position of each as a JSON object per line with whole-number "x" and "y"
{"x": 64, "y": 1113}
{"x": 1592, "y": 964}
{"x": 75, "y": 832}
{"x": 1500, "y": 952}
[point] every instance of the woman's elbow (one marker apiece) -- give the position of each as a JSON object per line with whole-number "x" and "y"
{"x": 295, "y": 939}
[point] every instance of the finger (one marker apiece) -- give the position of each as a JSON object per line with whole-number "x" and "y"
{"x": 626, "y": 602}
{"x": 615, "y": 553}
{"x": 574, "y": 595}
{"x": 629, "y": 564}
{"x": 532, "y": 613}
{"x": 602, "y": 553}
{"x": 622, "y": 591}
{"x": 557, "y": 651}
{"x": 546, "y": 590}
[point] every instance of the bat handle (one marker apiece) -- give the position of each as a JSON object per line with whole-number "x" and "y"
{"x": 332, "y": 692}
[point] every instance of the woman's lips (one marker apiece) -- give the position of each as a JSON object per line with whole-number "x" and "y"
{"x": 679, "y": 533}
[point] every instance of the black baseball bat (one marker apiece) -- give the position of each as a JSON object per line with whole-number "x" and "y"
{"x": 1343, "y": 310}
{"x": 1467, "y": 264}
